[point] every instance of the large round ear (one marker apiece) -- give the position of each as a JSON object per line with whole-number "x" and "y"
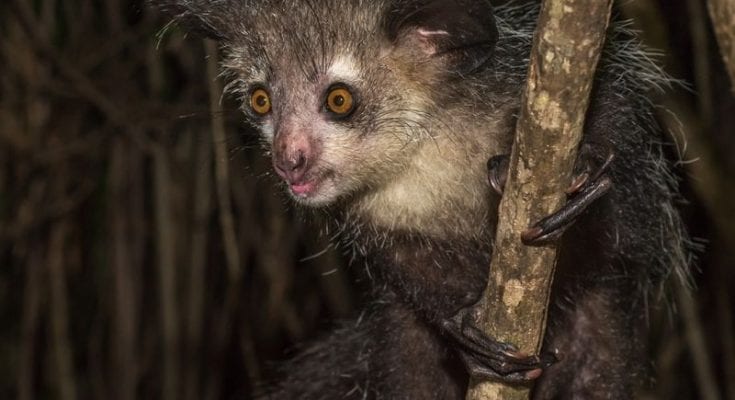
{"x": 461, "y": 32}
{"x": 206, "y": 18}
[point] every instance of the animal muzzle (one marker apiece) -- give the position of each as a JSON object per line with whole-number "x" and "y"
{"x": 293, "y": 157}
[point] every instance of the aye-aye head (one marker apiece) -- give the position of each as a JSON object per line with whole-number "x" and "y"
{"x": 343, "y": 91}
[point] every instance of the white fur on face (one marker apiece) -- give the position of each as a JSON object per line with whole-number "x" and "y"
{"x": 443, "y": 190}
{"x": 344, "y": 68}
{"x": 266, "y": 131}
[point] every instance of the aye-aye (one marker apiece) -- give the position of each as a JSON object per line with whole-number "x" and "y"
{"x": 397, "y": 116}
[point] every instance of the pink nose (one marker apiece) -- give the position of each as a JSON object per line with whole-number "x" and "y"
{"x": 290, "y": 166}
{"x": 293, "y": 155}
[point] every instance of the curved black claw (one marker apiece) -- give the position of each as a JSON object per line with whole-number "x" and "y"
{"x": 552, "y": 227}
{"x": 587, "y": 186}
{"x": 487, "y": 358}
{"x": 497, "y": 172}
{"x": 585, "y": 169}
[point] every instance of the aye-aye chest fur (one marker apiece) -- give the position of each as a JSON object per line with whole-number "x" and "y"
{"x": 388, "y": 111}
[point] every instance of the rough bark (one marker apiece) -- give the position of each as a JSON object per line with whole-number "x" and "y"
{"x": 566, "y": 48}
{"x": 722, "y": 13}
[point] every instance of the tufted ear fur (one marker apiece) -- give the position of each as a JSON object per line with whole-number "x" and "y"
{"x": 214, "y": 19}
{"x": 463, "y": 32}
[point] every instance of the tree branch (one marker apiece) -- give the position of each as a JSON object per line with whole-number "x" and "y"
{"x": 564, "y": 56}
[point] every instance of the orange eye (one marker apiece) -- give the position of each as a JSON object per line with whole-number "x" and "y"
{"x": 260, "y": 102}
{"x": 340, "y": 101}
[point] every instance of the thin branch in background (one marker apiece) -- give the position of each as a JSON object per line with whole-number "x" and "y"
{"x": 123, "y": 270}
{"x": 722, "y": 13}
{"x": 201, "y": 192}
{"x": 696, "y": 343}
{"x": 32, "y": 302}
{"x": 166, "y": 241}
{"x": 59, "y": 312}
{"x": 19, "y": 60}
{"x": 33, "y": 295}
{"x": 100, "y": 386}
{"x": 166, "y": 260}
{"x": 701, "y": 60}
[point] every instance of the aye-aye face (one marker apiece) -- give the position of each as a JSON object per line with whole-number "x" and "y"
{"x": 344, "y": 92}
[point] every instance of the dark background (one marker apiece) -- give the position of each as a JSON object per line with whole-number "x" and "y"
{"x": 144, "y": 252}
